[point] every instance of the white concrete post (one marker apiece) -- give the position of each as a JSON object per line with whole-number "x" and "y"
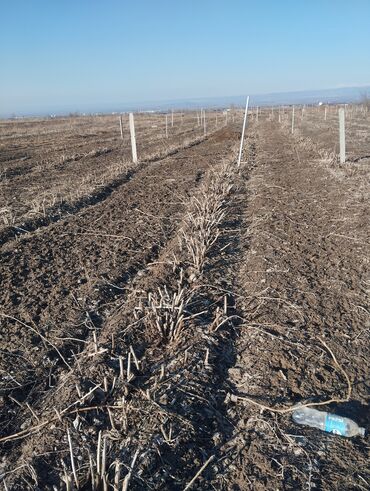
{"x": 257, "y": 114}
{"x": 172, "y": 118}
{"x": 293, "y": 120}
{"x": 204, "y": 123}
{"x": 133, "y": 139}
{"x": 342, "y": 137}
{"x": 325, "y": 113}
{"x": 166, "y": 126}
{"x": 243, "y": 131}
{"x": 120, "y": 127}
{"x": 198, "y": 119}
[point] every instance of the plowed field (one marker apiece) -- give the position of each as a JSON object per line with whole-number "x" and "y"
{"x": 159, "y": 321}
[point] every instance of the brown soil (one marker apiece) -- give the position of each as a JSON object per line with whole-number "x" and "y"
{"x": 289, "y": 267}
{"x": 303, "y": 276}
{"x": 48, "y": 168}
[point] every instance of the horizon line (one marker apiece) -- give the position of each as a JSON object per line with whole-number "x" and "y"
{"x": 188, "y": 102}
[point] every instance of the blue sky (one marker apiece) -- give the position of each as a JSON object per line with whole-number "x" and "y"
{"x": 76, "y": 54}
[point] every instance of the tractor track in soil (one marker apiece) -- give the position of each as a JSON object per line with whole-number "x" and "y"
{"x": 61, "y": 280}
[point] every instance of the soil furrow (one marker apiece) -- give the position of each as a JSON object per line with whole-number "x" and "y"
{"x": 188, "y": 398}
{"x": 302, "y": 279}
{"x": 58, "y": 281}
{"x": 92, "y": 195}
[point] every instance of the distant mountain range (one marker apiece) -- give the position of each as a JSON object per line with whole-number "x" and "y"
{"x": 329, "y": 96}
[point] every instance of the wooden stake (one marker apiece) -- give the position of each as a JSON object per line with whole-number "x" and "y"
{"x": 133, "y": 138}
{"x": 120, "y": 126}
{"x": 342, "y": 137}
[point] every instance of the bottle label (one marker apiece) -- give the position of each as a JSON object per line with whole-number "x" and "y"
{"x": 335, "y": 424}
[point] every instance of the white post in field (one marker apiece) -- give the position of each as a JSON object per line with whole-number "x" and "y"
{"x": 198, "y": 120}
{"x": 172, "y": 118}
{"x": 204, "y": 123}
{"x": 166, "y": 126}
{"x": 216, "y": 120}
{"x": 293, "y": 120}
{"x": 226, "y": 115}
{"x": 120, "y": 127}
{"x": 257, "y": 114}
{"x": 325, "y": 113}
{"x": 243, "y": 131}
{"x": 133, "y": 139}
{"x": 342, "y": 137}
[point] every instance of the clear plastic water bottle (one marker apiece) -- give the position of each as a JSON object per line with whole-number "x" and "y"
{"x": 324, "y": 421}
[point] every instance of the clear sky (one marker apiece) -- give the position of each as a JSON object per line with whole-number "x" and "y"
{"x": 75, "y": 53}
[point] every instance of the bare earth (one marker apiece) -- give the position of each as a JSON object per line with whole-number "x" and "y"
{"x": 156, "y": 335}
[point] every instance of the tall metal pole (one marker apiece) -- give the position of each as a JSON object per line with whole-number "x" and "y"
{"x": 242, "y": 138}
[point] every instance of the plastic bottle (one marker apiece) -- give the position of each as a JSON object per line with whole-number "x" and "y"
{"x": 324, "y": 421}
